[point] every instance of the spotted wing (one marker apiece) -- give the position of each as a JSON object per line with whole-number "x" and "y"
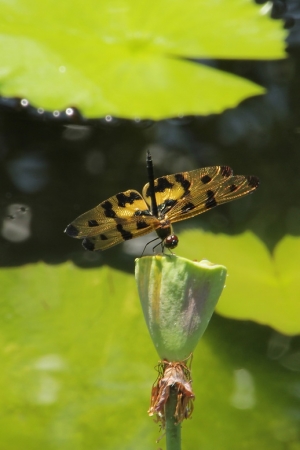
{"x": 120, "y": 218}
{"x": 187, "y": 194}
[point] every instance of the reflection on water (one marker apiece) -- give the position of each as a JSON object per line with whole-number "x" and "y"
{"x": 283, "y": 349}
{"x": 291, "y": 361}
{"x": 47, "y": 386}
{"x": 278, "y": 345}
{"x": 29, "y": 173}
{"x": 16, "y": 223}
{"x": 94, "y": 162}
{"x": 76, "y": 132}
{"x": 244, "y": 396}
{"x": 46, "y": 390}
{"x": 51, "y": 362}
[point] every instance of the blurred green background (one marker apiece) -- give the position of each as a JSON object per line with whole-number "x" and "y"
{"x": 83, "y": 88}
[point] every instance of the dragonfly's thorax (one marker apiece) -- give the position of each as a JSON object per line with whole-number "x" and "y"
{"x": 164, "y": 208}
{"x": 165, "y": 229}
{"x": 165, "y": 223}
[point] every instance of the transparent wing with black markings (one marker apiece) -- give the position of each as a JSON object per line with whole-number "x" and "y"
{"x": 169, "y": 189}
{"x": 187, "y": 194}
{"x": 200, "y": 201}
{"x": 123, "y": 231}
{"x": 122, "y": 217}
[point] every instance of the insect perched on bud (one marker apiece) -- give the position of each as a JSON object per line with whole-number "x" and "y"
{"x": 164, "y": 201}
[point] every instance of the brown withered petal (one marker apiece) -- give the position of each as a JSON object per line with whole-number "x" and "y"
{"x": 175, "y": 375}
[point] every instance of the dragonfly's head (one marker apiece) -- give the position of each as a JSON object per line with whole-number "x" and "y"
{"x": 171, "y": 241}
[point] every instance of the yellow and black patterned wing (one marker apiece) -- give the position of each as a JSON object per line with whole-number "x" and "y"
{"x": 122, "y": 231}
{"x": 178, "y": 185}
{"x": 120, "y": 218}
{"x": 187, "y": 194}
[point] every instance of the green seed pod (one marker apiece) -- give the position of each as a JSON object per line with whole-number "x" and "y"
{"x": 178, "y": 297}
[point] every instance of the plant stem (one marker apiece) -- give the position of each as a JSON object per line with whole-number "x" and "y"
{"x": 173, "y": 430}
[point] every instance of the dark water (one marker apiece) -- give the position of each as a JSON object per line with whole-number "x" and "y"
{"x": 55, "y": 168}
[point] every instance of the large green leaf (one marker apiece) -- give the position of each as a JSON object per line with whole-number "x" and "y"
{"x": 125, "y": 58}
{"x": 260, "y": 286}
{"x": 77, "y": 366}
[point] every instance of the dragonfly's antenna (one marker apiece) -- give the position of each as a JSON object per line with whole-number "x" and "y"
{"x": 150, "y": 171}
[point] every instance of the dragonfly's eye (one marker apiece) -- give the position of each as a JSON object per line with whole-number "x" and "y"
{"x": 171, "y": 241}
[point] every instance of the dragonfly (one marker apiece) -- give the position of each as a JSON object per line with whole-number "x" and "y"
{"x": 164, "y": 201}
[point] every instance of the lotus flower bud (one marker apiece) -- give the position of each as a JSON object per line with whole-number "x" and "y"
{"x": 178, "y": 297}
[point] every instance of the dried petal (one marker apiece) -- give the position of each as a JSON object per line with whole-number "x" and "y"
{"x": 177, "y": 376}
